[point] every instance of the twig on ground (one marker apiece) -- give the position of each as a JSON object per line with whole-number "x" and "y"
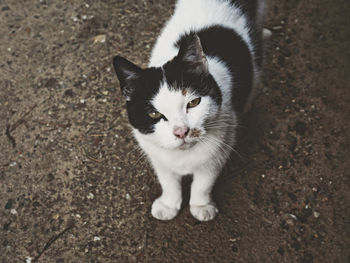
{"x": 52, "y": 240}
{"x": 20, "y": 121}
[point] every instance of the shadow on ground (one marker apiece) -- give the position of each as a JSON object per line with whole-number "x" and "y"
{"x": 74, "y": 187}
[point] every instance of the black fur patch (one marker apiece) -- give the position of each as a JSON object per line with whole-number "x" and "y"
{"x": 228, "y": 46}
{"x": 146, "y": 85}
{"x": 180, "y": 77}
{"x": 249, "y": 9}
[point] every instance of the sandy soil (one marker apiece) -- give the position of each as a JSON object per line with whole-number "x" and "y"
{"x": 74, "y": 188}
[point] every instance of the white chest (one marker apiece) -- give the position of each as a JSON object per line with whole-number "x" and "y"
{"x": 181, "y": 162}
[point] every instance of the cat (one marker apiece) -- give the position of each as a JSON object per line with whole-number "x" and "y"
{"x": 184, "y": 108}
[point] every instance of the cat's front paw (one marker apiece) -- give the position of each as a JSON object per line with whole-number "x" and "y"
{"x": 204, "y": 212}
{"x": 163, "y": 212}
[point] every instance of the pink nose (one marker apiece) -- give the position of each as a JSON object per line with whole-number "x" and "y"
{"x": 181, "y": 132}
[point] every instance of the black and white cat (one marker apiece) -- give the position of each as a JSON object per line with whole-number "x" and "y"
{"x": 184, "y": 107}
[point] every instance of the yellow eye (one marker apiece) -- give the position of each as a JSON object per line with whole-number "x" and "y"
{"x": 193, "y": 103}
{"x": 155, "y": 115}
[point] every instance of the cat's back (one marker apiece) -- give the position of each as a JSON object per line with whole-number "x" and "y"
{"x": 198, "y": 15}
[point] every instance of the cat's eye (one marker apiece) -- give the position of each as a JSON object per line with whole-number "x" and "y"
{"x": 155, "y": 115}
{"x": 193, "y": 103}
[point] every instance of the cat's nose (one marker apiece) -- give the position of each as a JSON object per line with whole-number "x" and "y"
{"x": 181, "y": 132}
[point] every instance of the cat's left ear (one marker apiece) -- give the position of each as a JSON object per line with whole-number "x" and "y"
{"x": 191, "y": 52}
{"x": 126, "y": 72}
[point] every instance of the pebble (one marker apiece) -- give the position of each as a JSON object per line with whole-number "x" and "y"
{"x": 13, "y": 211}
{"x": 90, "y": 196}
{"x": 293, "y": 216}
{"x": 96, "y": 238}
{"x": 316, "y": 214}
{"x": 56, "y": 216}
{"x": 99, "y": 39}
{"x": 128, "y": 196}
{"x": 28, "y": 260}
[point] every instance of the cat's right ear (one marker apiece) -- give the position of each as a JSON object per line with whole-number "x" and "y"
{"x": 127, "y": 72}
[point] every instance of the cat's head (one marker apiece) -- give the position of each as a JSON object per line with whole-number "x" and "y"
{"x": 171, "y": 106}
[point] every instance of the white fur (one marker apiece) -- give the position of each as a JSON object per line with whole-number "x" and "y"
{"x": 202, "y": 157}
{"x": 196, "y": 15}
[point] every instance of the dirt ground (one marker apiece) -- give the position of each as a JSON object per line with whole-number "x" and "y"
{"x": 74, "y": 187}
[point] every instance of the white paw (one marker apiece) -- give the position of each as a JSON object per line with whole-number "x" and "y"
{"x": 204, "y": 212}
{"x": 163, "y": 212}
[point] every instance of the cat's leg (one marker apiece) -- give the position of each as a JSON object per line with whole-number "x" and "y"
{"x": 167, "y": 206}
{"x": 201, "y": 205}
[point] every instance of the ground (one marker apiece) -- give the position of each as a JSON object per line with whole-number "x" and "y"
{"x": 74, "y": 187}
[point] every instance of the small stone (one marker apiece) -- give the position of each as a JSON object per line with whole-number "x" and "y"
{"x": 78, "y": 216}
{"x": 316, "y": 214}
{"x": 128, "y": 196}
{"x": 28, "y": 260}
{"x": 105, "y": 92}
{"x": 293, "y": 216}
{"x": 13, "y": 211}
{"x": 99, "y": 39}
{"x": 56, "y": 216}
{"x": 13, "y": 164}
{"x": 263, "y": 176}
{"x": 96, "y": 238}
{"x": 90, "y": 196}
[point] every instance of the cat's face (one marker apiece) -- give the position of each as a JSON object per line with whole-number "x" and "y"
{"x": 171, "y": 106}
